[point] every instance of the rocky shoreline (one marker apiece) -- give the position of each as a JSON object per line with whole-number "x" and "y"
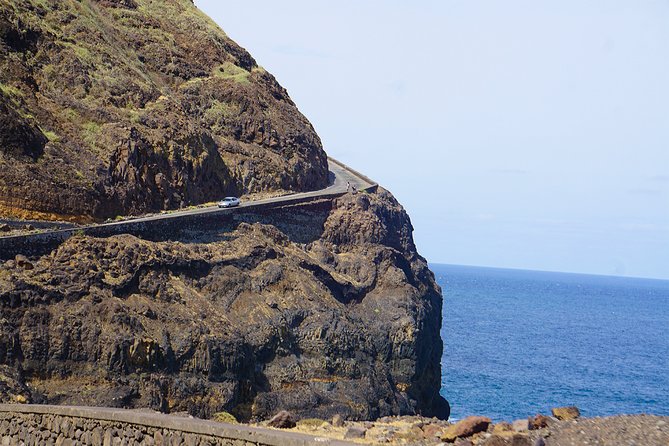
{"x": 564, "y": 428}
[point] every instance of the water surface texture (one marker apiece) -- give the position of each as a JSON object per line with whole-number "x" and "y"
{"x": 519, "y": 342}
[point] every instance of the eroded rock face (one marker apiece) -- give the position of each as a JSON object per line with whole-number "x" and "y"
{"x": 18, "y": 136}
{"x": 114, "y": 107}
{"x": 348, "y": 324}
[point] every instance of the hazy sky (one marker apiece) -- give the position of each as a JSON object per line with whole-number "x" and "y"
{"x": 522, "y": 134}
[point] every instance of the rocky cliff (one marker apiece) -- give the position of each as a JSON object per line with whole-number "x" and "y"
{"x": 346, "y": 324}
{"x": 125, "y": 106}
{"x": 114, "y": 107}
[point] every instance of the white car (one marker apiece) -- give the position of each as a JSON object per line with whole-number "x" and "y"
{"x": 229, "y": 202}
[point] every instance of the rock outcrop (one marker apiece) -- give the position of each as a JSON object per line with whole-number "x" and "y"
{"x": 112, "y": 107}
{"x": 466, "y": 428}
{"x": 115, "y": 107}
{"x": 566, "y": 413}
{"x": 348, "y": 324}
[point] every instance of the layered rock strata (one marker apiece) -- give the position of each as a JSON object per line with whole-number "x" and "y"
{"x": 253, "y": 323}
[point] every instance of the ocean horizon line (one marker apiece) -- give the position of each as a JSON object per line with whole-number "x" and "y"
{"x": 516, "y": 269}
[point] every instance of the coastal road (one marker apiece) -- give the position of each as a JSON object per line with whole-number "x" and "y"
{"x": 340, "y": 174}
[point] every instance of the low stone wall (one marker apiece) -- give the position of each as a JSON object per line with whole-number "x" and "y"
{"x": 37, "y": 425}
{"x": 371, "y": 184}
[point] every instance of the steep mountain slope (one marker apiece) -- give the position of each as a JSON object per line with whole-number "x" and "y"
{"x": 112, "y": 107}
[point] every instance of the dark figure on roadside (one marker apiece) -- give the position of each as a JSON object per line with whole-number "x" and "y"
{"x": 354, "y": 189}
{"x": 348, "y": 186}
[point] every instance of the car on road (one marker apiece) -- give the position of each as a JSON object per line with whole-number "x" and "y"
{"x": 229, "y": 202}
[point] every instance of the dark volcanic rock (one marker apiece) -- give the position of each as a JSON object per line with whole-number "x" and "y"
{"x": 282, "y": 420}
{"x": 22, "y": 262}
{"x": 12, "y": 386}
{"x": 538, "y": 421}
{"x": 355, "y": 432}
{"x": 18, "y": 136}
{"x": 354, "y": 329}
{"x": 111, "y": 107}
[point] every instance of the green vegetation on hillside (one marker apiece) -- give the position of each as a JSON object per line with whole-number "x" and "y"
{"x": 134, "y": 106}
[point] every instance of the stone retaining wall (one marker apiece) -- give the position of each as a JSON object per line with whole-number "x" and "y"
{"x": 301, "y": 220}
{"x": 37, "y": 425}
{"x": 371, "y": 184}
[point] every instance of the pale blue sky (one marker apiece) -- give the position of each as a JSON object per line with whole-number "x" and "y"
{"x": 521, "y": 134}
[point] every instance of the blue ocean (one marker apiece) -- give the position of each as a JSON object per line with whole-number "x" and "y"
{"x": 517, "y": 343}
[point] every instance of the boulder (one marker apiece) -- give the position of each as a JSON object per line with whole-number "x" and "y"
{"x": 508, "y": 440}
{"x": 312, "y": 423}
{"x": 502, "y": 426}
{"x": 355, "y": 432}
{"x": 282, "y": 420}
{"x": 225, "y": 417}
{"x": 12, "y": 385}
{"x": 432, "y": 430}
{"x": 23, "y": 262}
{"x": 538, "y": 422}
{"x": 566, "y": 413}
{"x": 466, "y": 428}
{"x": 521, "y": 425}
{"x": 337, "y": 421}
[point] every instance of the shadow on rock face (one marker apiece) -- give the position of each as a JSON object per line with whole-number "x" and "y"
{"x": 18, "y": 136}
{"x": 17, "y": 36}
{"x": 442, "y": 409}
